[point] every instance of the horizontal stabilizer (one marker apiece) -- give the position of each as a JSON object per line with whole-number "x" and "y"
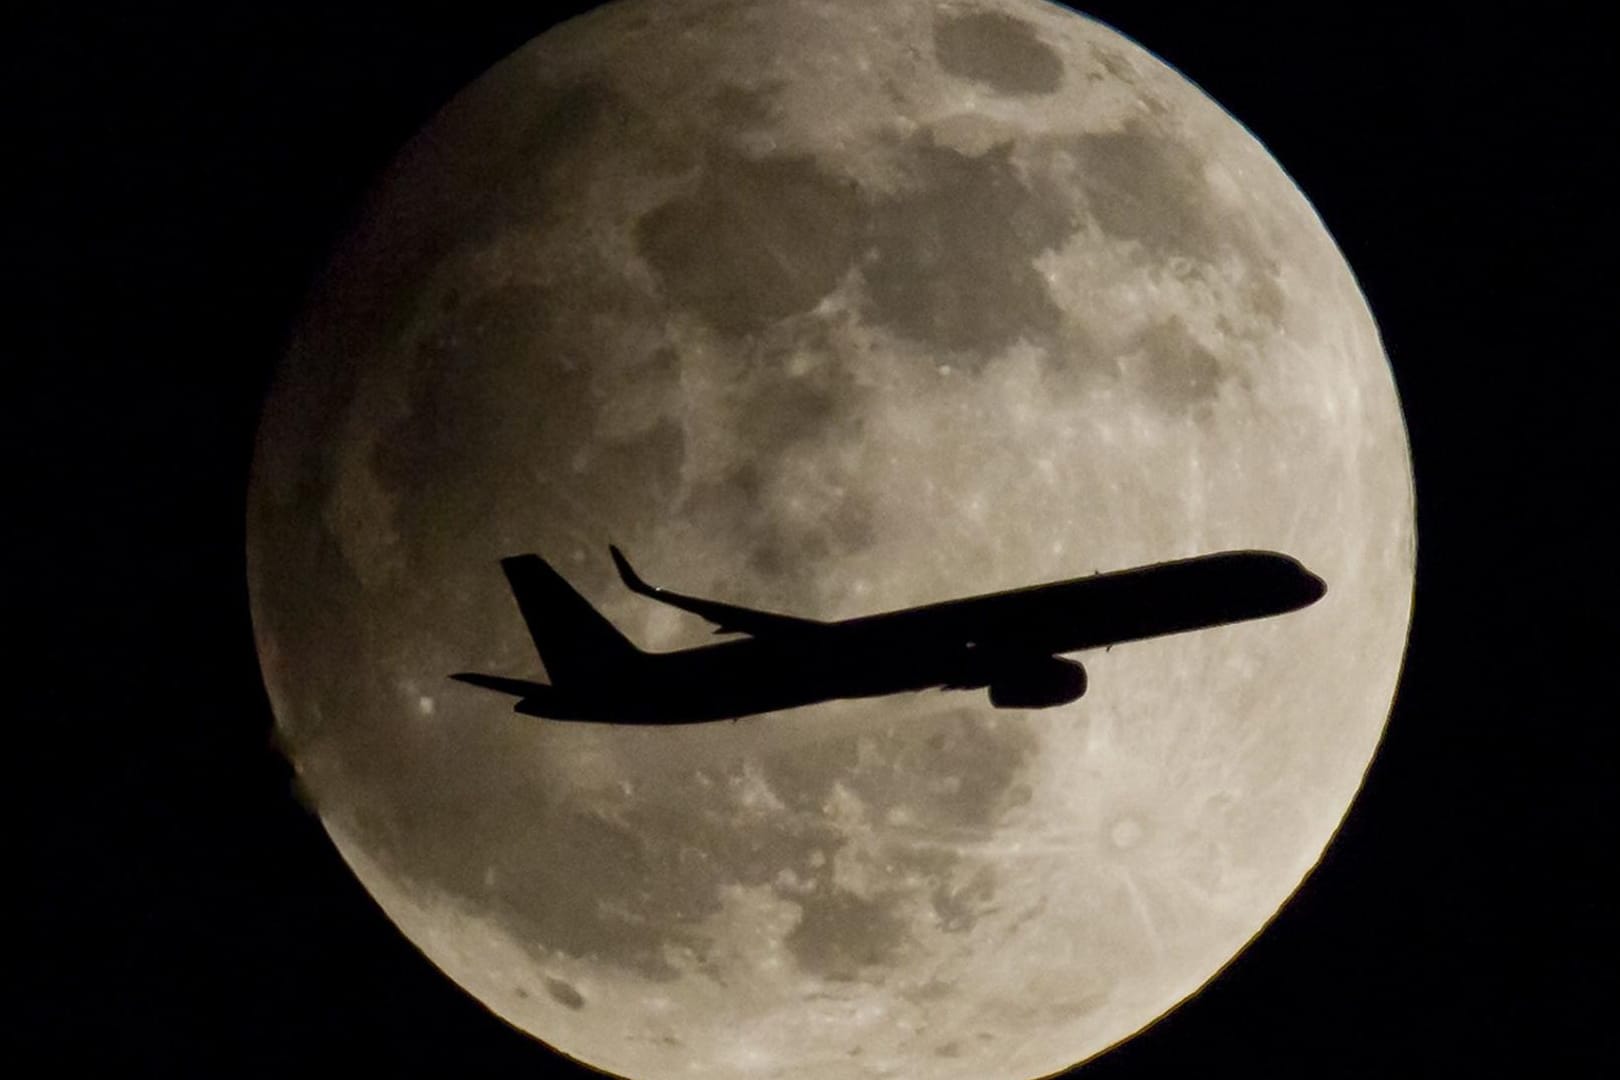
{"x": 515, "y": 687}
{"x": 727, "y": 618}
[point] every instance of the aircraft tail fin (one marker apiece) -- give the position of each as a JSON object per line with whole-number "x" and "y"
{"x": 578, "y": 645}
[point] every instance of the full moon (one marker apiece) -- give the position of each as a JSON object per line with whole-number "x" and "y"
{"x": 829, "y": 307}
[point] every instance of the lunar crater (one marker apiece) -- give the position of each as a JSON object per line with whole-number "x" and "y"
{"x": 564, "y": 994}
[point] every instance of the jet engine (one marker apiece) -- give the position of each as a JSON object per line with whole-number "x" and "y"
{"x": 1037, "y": 683}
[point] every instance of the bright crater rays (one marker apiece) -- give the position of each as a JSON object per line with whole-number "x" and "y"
{"x": 829, "y": 307}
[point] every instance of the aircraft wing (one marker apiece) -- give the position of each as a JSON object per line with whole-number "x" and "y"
{"x": 727, "y": 618}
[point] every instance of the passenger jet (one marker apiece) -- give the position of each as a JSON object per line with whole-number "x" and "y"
{"x": 1009, "y": 643}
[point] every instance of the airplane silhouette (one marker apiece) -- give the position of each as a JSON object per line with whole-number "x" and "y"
{"x": 1007, "y": 642}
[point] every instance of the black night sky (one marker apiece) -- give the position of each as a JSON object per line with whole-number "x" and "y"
{"x": 187, "y": 167}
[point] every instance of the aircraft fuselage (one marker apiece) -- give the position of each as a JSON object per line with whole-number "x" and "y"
{"x": 1010, "y": 642}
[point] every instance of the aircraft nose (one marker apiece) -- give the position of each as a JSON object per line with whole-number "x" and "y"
{"x": 1311, "y": 588}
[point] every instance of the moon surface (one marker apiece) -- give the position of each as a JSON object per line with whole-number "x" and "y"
{"x": 829, "y": 307}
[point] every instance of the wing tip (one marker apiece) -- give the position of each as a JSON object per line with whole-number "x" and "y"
{"x": 627, "y": 573}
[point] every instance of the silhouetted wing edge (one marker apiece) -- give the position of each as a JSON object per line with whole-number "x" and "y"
{"x": 501, "y": 684}
{"x": 727, "y": 618}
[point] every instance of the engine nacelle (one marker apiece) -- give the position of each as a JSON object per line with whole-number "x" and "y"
{"x": 1039, "y": 683}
